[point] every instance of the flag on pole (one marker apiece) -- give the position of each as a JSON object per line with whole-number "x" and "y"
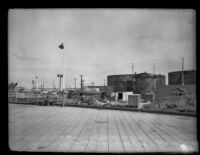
{"x": 61, "y": 46}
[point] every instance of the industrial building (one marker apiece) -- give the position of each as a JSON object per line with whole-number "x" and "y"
{"x": 148, "y": 83}
{"x": 122, "y": 82}
{"x": 188, "y": 77}
{"x": 125, "y": 85}
{"x": 137, "y": 83}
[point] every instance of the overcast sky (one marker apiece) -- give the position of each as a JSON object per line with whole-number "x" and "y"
{"x": 98, "y": 42}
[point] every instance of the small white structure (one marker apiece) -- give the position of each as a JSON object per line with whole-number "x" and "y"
{"x": 121, "y": 96}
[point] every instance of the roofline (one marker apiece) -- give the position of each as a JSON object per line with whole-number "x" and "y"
{"x": 121, "y": 75}
{"x": 149, "y": 74}
{"x": 181, "y": 71}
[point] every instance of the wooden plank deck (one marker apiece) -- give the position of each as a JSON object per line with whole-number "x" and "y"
{"x": 72, "y": 129}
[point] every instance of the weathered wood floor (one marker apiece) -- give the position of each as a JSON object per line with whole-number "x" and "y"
{"x": 40, "y": 128}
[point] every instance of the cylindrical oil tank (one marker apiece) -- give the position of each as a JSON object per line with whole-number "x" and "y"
{"x": 160, "y": 80}
{"x": 145, "y": 83}
{"x": 138, "y": 83}
{"x": 123, "y": 82}
{"x": 175, "y": 78}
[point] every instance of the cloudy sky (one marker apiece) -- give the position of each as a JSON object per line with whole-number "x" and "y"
{"x": 98, "y": 42}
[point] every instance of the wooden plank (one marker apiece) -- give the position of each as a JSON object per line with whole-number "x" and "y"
{"x": 148, "y": 129}
{"x": 172, "y": 137}
{"x": 59, "y": 136}
{"x": 184, "y": 124}
{"x": 102, "y": 141}
{"x": 173, "y": 128}
{"x": 73, "y": 135}
{"x": 52, "y": 135}
{"x": 179, "y": 136}
{"x": 123, "y": 136}
{"x": 66, "y": 129}
{"x": 19, "y": 127}
{"x": 81, "y": 142}
{"x": 92, "y": 141}
{"x": 132, "y": 136}
{"x": 78, "y": 129}
{"x": 35, "y": 136}
{"x": 115, "y": 144}
{"x": 164, "y": 135}
{"x": 19, "y": 132}
{"x": 147, "y": 142}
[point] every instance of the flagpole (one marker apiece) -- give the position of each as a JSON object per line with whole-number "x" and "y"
{"x": 63, "y": 83}
{"x": 63, "y": 75}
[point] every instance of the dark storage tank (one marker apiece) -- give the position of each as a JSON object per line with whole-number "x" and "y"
{"x": 145, "y": 83}
{"x": 123, "y": 82}
{"x": 175, "y": 78}
{"x": 138, "y": 83}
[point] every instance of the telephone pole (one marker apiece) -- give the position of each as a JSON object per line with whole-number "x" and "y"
{"x": 83, "y": 84}
{"x": 36, "y": 89}
{"x": 36, "y": 83}
{"x": 81, "y": 81}
{"x": 153, "y": 69}
{"x": 104, "y": 80}
{"x": 132, "y": 68}
{"x": 182, "y": 71}
{"x": 75, "y": 83}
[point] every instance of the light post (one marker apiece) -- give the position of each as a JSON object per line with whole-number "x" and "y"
{"x": 60, "y": 76}
{"x": 36, "y": 89}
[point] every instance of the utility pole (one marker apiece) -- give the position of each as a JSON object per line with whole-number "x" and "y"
{"x": 53, "y": 84}
{"x": 182, "y": 71}
{"x": 153, "y": 69}
{"x": 36, "y": 89}
{"x": 132, "y": 68}
{"x": 83, "y": 84}
{"x": 133, "y": 78}
{"x": 36, "y": 83}
{"x": 33, "y": 84}
{"x": 60, "y": 76}
{"x": 75, "y": 83}
{"x": 81, "y": 81}
{"x": 104, "y": 80}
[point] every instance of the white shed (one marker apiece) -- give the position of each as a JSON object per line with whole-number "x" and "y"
{"x": 121, "y": 96}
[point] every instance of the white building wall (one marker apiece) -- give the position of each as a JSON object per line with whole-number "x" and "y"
{"x": 125, "y": 95}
